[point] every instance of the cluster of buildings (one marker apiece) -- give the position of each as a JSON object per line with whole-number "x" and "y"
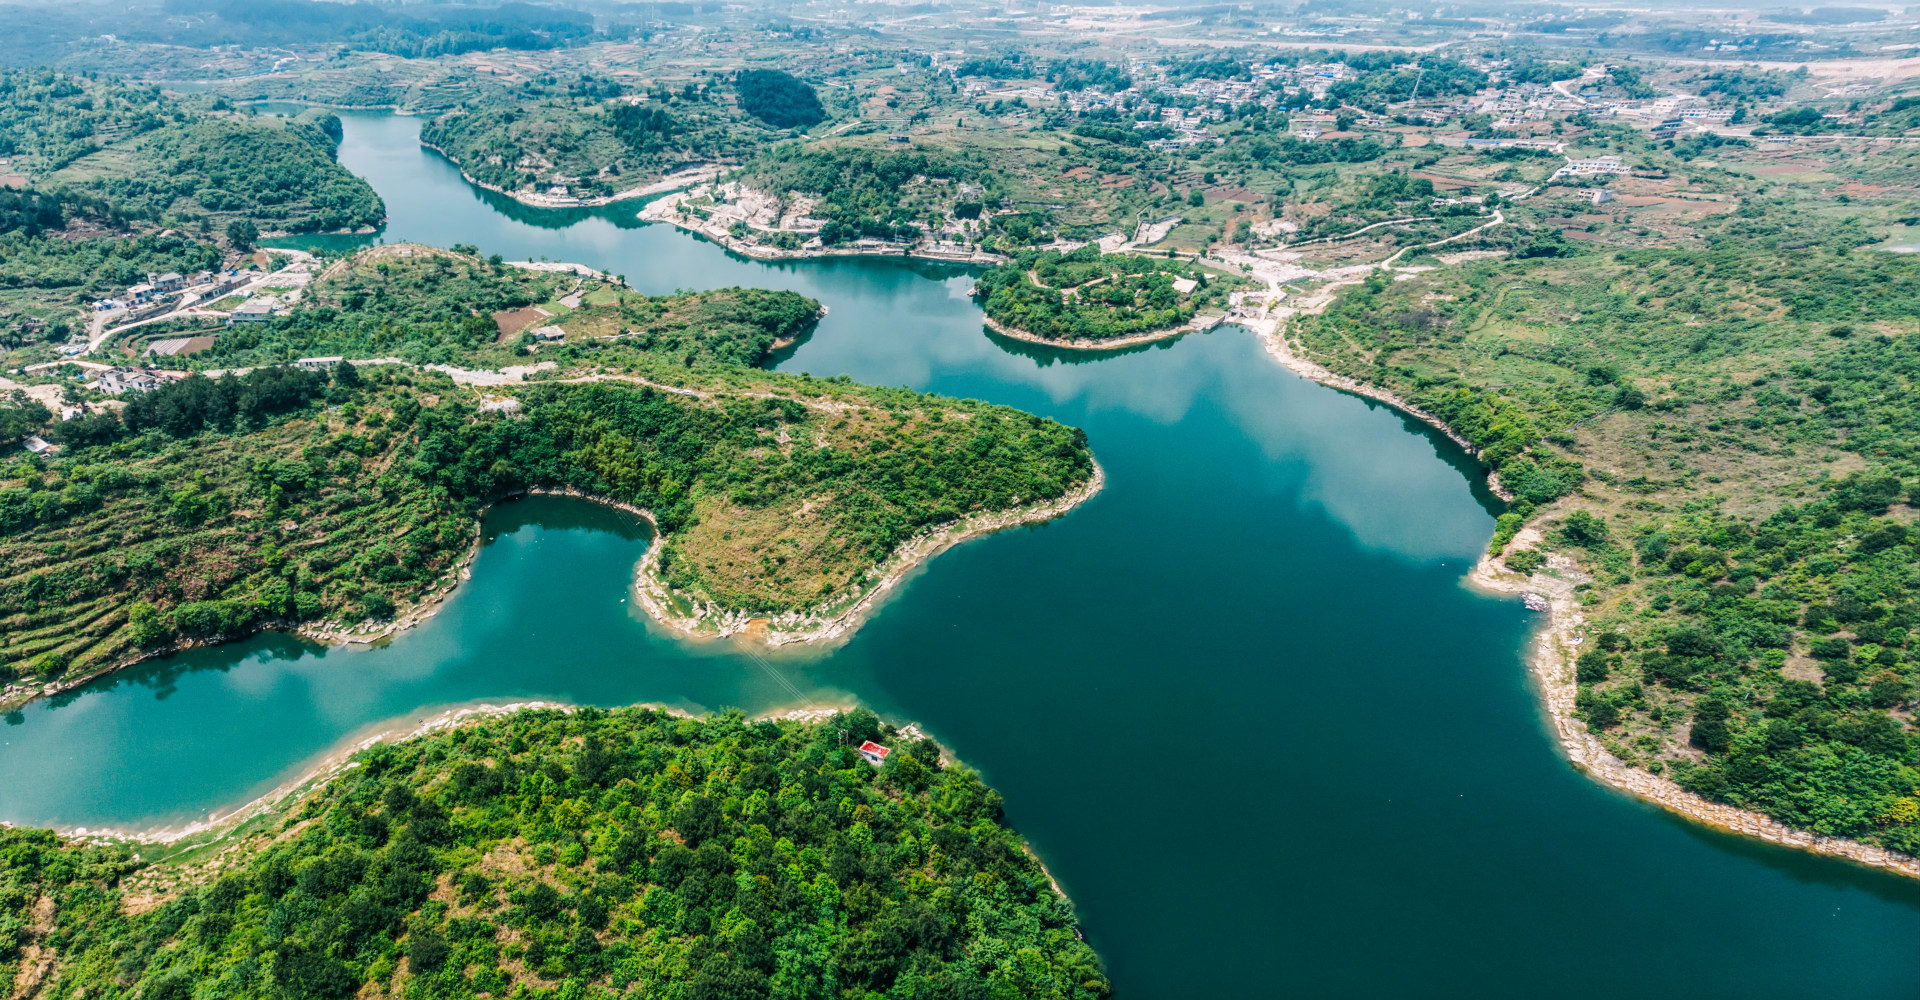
{"x": 1521, "y": 103}
{"x": 161, "y": 289}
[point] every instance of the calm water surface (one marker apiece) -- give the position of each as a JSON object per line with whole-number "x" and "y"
{"x": 1240, "y": 701}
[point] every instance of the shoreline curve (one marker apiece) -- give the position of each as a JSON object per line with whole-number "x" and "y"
{"x": 655, "y": 595}
{"x": 1552, "y": 667}
{"x": 1195, "y": 325}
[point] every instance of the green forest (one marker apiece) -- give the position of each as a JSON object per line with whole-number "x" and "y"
{"x": 593, "y": 136}
{"x": 438, "y": 307}
{"x": 1725, "y": 442}
{"x": 579, "y": 856}
{"x": 1087, "y": 295}
{"x": 279, "y": 173}
{"x": 140, "y": 153}
{"x": 779, "y": 99}
{"x": 213, "y": 507}
{"x": 864, "y": 192}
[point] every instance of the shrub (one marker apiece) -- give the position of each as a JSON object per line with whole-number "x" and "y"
{"x": 1525, "y": 560}
{"x": 1710, "y": 731}
{"x": 1591, "y": 667}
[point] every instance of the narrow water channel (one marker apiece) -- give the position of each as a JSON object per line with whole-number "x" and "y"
{"x": 1240, "y": 702}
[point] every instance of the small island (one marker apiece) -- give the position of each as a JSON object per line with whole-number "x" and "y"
{"x": 1088, "y": 300}
{"x": 581, "y": 853}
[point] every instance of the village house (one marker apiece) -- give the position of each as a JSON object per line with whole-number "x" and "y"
{"x": 254, "y": 310}
{"x": 115, "y": 381}
{"x": 1594, "y": 167}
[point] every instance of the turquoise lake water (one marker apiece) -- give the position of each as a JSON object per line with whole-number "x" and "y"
{"x": 1241, "y": 701}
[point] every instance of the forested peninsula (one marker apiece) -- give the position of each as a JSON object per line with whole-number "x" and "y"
{"x": 139, "y": 154}
{"x": 594, "y": 138}
{"x": 574, "y": 855}
{"x": 275, "y": 495}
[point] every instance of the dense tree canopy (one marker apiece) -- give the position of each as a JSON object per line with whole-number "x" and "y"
{"x": 779, "y": 99}
{"x": 139, "y": 153}
{"x": 1085, "y": 295}
{"x": 590, "y": 855}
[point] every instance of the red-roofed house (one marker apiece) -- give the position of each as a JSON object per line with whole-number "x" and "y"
{"x": 874, "y": 753}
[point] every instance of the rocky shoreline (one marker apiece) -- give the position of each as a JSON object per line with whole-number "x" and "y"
{"x": 1552, "y": 659}
{"x": 1199, "y": 324}
{"x": 663, "y": 211}
{"x": 787, "y": 628}
{"x": 536, "y": 200}
{"x": 1552, "y": 665}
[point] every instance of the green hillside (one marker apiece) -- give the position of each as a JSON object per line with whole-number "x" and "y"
{"x": 573, "y": 856}
{"x": 137, "y": 153}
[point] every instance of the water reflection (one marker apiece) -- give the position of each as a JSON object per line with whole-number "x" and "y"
{"x": 1251, "y": 651}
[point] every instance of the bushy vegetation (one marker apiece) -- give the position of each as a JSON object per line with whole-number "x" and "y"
{"x": 29, "y": 212}
{"x": 589, "y": 137}
{"x": 436, "y": 307}
{"x": 1087, "y": 295}
{"x": 864, "y": 192}
{"x": 138, "y": 153}
{"x": 779, "y": 99}
{"x": 1081, "y": 74}
{"x": 51, "y": 118}
{"x": 280, "y": 173}
{"x": 97, "y": 266}
{"x": 1385, "y": 78}
{"x": 1725, "y": 441}
{"x": 218, "y": 506}
{"x": 589, "y": 855}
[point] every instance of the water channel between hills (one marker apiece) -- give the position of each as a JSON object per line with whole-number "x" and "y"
{"x": 1241, "y": 701}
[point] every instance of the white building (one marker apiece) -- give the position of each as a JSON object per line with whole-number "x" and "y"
{"x": 1597, "y": 166}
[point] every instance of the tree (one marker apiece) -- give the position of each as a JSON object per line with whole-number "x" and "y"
{"x": 1710, "y": 731}
{"x": 779, "y": 99}
{"x": 242, "y": 233}
{"x": 1583, "y": 529}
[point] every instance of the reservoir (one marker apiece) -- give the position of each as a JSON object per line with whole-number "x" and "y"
{"x": 1241, "y": 702}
